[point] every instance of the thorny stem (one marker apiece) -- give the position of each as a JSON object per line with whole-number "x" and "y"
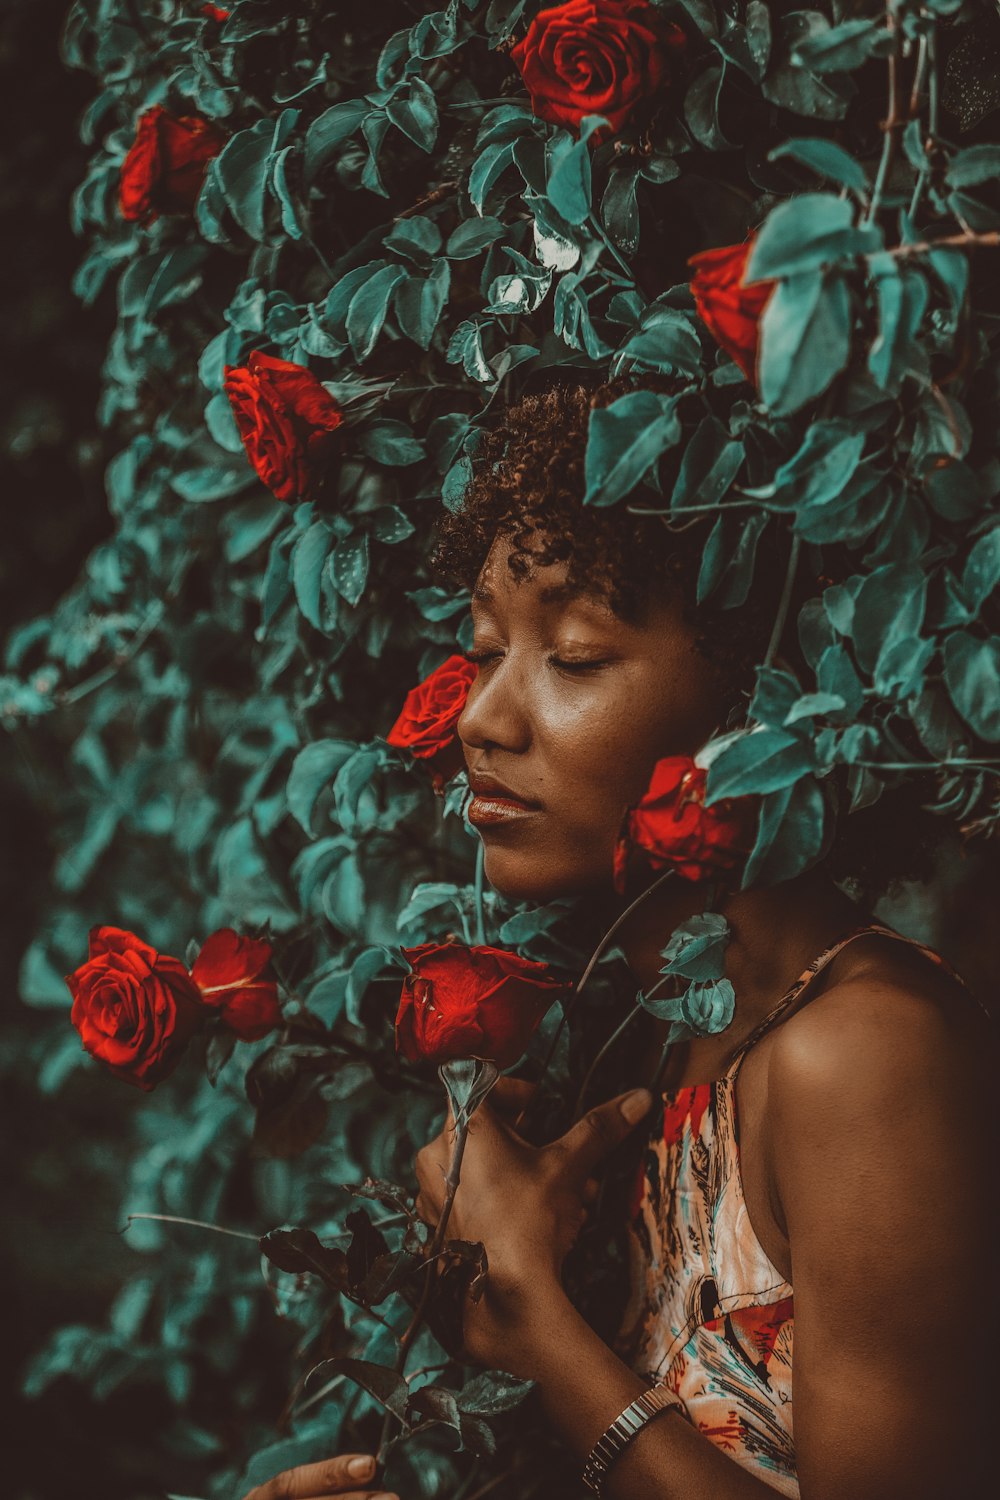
{"x": 595, "y": 956}
{"x": 920, "y": 765}
{"x": 480, "y": 880}
{"x": 451, "y": 1181}
{"x": 601, "y": 1055}
{"x": 968, "y": 240}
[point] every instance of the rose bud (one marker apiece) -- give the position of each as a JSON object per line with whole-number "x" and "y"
{"x": 135, "y": 1009}
{"x": 597, "y": 57}
{"x": 672, "y": 827}
{"x": 233, "y": 978}
{"x": 730, "y": 308}
{"x": 460, "y": 1002}
{"x": 165, "y": 167}
{"x": 287, "y": 420}
{"x": 426, "y": 725}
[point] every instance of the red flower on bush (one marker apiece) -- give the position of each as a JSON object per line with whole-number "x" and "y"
{"x": 596, "y": 57}
{"x": 232, "y": 975}
{"x": 287, "y": 420}
{"x": 460, "y": 1002}
{"x": 165, "y": 167}
{"x": 426, "y": 725}
{"x": 729, "y": 307}
{"x": 673, "y": 828}
{"x": 135, "y": 1009}
{"x": 215, "y": 13}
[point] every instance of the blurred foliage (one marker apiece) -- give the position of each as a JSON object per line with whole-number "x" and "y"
{"x": 204, "y": 706}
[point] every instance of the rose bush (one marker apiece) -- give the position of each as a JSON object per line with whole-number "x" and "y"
{"x": 135, "y": 1009}
{"x": 426, "y": 723}
{"x": 730, "y": 307}
{"x": 672, "y": 828}
{"x": 597, "y": 57}
{"x": 460, "y": 1002}
{"x": 233, "y": 977}
{"x": 165, "y": 166}
{"x": 287, "y": 421}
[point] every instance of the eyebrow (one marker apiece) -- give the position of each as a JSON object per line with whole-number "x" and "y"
{"x": 555, "y": 593}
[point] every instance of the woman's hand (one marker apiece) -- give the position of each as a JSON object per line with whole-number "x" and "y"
{"x": 526, "y": 1204}
{"x": 344, "y": 1476}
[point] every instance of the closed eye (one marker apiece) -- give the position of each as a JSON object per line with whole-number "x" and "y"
{"x": 578, "y": 667}
{"x": 480, "y": 657}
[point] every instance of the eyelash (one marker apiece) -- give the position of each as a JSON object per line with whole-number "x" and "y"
{"x": 578, "y": 668}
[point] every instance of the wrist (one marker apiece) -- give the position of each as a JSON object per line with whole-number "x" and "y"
{"x": 515, "y": 1319}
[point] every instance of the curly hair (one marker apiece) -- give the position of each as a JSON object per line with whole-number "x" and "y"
{"x": 527, "y": 486}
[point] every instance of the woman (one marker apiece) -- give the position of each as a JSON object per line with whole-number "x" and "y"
{"x": 816, "y": 1167}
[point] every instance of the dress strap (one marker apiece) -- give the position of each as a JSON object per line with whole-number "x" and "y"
{"x": 794, "y": 993}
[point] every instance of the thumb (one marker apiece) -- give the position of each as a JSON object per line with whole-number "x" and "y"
{"x": 602, "y": 1128}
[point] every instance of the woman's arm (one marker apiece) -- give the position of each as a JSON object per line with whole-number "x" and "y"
{"x": 878, "y": 1129}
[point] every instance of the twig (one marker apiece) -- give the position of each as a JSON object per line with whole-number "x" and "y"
{"x": 893, "y": 123}
{"x": 239, "y": 1234}
{"x": 784, "y": 604}
{"x": 436, "y": 195}
{"x": 928, "y": 44}
{"x": 968, "y": 240}
{"x": 601, "y": 1055}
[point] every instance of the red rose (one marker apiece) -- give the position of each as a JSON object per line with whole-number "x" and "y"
{"x": 462, "y": 1002}
{"x": 426, "y": 726}
{"x": 165, "y": 167}
{"x": 729, "y": 308}
{"x": 673, "y": 828}
{"x": 134, "y": 1008}
{"x": 286, "y": 419}
{"x": 596, "y": 57}
{"x": 215, "y": 13}
{"x": 231, "y": 975}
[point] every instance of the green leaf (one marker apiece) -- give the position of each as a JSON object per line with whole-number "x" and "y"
{"x": 709, "y": 466}
{"x": 805, "y": 339}
{"x": 313, "y": 768}
{"x": 473, "y": 236}
{"x": 417, "y": 116}
{"x": 809, "y": 231}
{"x": 624, "y": 440}
{"x": 666, "y": 342}
{"x": 843, "y": 47}
{"x": 568, "y": 180}
{"x": 757, "y": 761}
{"x": 697, "y": 948}
{"x": 827, "y": 159}
{"x": 390, "y": 442}
{"x": 369, "y": 306}
{"x": 972, "y": 675}
{"x": 791, "y": 835}
{"x": 974, "y": 165}
{"x": 620, "y": 210}
{"x": 815, "y": 474}
{"x": 308, "y": 556}
{"x": 349, "y": 567}
{"x": 493, "y": 1391}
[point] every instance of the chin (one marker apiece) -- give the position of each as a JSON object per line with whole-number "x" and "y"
{"x": 517, "y": 875}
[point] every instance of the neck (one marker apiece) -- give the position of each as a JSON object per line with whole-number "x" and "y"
{"x": 775, "y": 932}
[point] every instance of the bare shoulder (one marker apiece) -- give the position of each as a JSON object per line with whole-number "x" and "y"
{"x": 891, "y": 1027}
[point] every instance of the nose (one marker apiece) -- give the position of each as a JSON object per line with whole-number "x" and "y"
{"x": 496, "y": 714}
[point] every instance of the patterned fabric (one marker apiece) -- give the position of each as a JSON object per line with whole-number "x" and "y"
{"x": 709, "y": 1314}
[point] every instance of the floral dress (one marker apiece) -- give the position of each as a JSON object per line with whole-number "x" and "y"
{"x": 709, "y": 1314}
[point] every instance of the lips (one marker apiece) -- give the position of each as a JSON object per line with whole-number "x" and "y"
{"x": 493, "y": 802}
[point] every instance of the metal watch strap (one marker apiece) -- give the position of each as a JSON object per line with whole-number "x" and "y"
{"x": 623, "y": 1429}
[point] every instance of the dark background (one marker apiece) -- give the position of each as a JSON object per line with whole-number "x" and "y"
{"x": 59, "y": 1150}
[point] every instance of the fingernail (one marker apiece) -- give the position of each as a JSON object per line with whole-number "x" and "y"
{"x": 359, "y": 1467}
{"x": 635, "y": 1105}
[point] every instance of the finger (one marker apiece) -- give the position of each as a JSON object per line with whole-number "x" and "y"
{"x": 333, "y": 1476}
{"x": 603, "y": 1128}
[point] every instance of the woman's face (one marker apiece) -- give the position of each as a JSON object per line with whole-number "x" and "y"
{"x": 571, "y": 709}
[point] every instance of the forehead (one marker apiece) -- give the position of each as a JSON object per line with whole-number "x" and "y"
{"x": 544, "y": 589}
